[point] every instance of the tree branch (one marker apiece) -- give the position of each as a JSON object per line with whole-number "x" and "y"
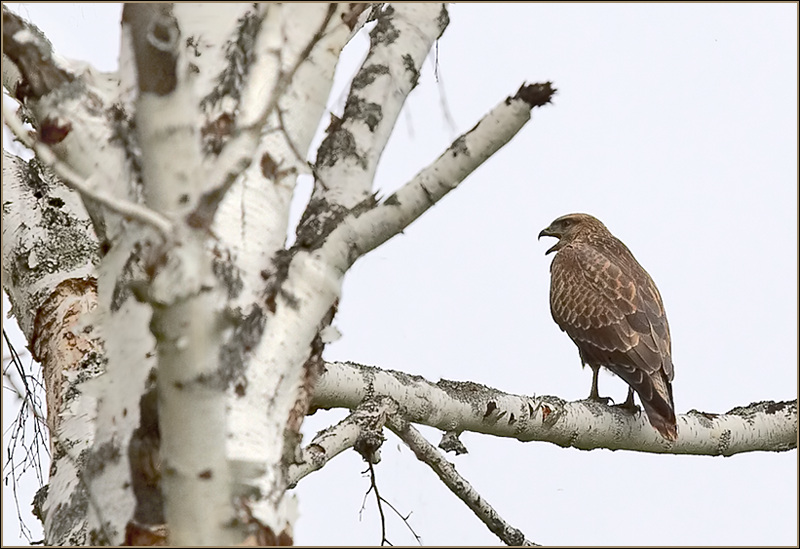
{"x": 237, "y": 153}
{"x": 73, "y": 180}
{"x": 369, "y": 416}
{"x": 363, "y": 231}
{"x": 428, "y": 454}
{"x": 75, "y": 108}
{"x": 261, "y": 163}
{"x": 464, "y": 156}
{"x": 26, "y": 46}
{"x": 586, "y": 425}
{"x": 348, "y": 157}
{"x": 185, "y": 295}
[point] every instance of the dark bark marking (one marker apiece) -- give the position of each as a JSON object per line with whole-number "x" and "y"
{"x": 360, "y": 109}
{"x": 392, "y": 200}
{"x": 320, "y": 218}
{"x": 68, "y": 515}
{"x": 459, "y": 147}
{"x": 145, "y": 460}
{"x": 240, "y": 56}
{"x": 155, "y": 35}
{"x": 336, "y": 146}
{"x": 54, "y": 131}
{"x": 68, "y": 241}
{"x": 384, "y": 31}
{"x": 367, "y": 75}
{"x": 535, "y": 95}
{"x": 96, "y": 460}
{"x": 350, "y": 17}
{"x": 272, "y": 170}
{"x": 234, "y": 353}
{"x": 226, "y": 271}
{"x": 408, "y": 63}
{"x": 33, "y": 58}
{"x": 216, "y": 132}
{"x": 443, "y": 20}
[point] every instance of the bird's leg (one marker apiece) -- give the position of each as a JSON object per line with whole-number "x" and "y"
{"x": 594, "y": 394}
{"x": 629, "y": 405}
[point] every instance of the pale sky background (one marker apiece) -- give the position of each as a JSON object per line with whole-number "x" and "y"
{"x": 676, "y": 125}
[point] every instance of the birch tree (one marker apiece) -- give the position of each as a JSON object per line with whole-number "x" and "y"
{"x": 181, "y": 335}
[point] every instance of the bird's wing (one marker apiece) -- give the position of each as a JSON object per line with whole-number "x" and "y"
{"x": 610, "y": 307}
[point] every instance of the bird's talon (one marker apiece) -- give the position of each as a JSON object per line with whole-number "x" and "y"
{"x": 629, "y": 407}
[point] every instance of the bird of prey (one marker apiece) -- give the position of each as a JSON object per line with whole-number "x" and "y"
{"x": 612, "y": 310}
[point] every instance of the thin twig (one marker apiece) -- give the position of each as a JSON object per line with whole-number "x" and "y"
{"x": 380, "y": 500}
{"x": 29, "y": 394}
{"x": 457, "y": 484}
{"x": 73, "y": 180}
{"x": 374, "y": 487}
{"x": 312, "y": 168}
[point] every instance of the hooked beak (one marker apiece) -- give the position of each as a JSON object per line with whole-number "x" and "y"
{"x": 545, "y": 232}
{"x": 549, "y": 232}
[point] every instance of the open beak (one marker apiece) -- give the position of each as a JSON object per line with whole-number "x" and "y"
{"x": 549, "y": 232}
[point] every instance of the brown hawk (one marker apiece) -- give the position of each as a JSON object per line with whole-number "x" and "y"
{"x": 612, "y": 310}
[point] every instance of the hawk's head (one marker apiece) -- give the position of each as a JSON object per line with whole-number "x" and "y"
{"x": 571, "y": 227}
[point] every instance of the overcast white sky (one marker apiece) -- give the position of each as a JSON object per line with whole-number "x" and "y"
{"x": 676, "y": 125}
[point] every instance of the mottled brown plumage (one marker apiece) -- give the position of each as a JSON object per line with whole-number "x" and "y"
{"x": 612, "y": 310}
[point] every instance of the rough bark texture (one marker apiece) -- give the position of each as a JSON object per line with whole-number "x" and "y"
{"x": 587, "y": 425}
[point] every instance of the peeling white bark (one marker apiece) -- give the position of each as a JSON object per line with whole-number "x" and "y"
{"x": 46, "y": 238}
{"x": 48, "y": 254}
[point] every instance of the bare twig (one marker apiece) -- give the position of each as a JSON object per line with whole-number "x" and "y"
{"x": 311, "y": 166}
{"x": 380, "y": 500}
{"x": 75, "y": 181}
{"x": 373, "y": 486}
{"x": 30, "y": 396}
{"x": 428, "y": 454}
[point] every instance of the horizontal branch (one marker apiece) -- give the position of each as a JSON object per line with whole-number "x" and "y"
{"x": 586, "y": 425}
{"x": 428, "y": 454}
